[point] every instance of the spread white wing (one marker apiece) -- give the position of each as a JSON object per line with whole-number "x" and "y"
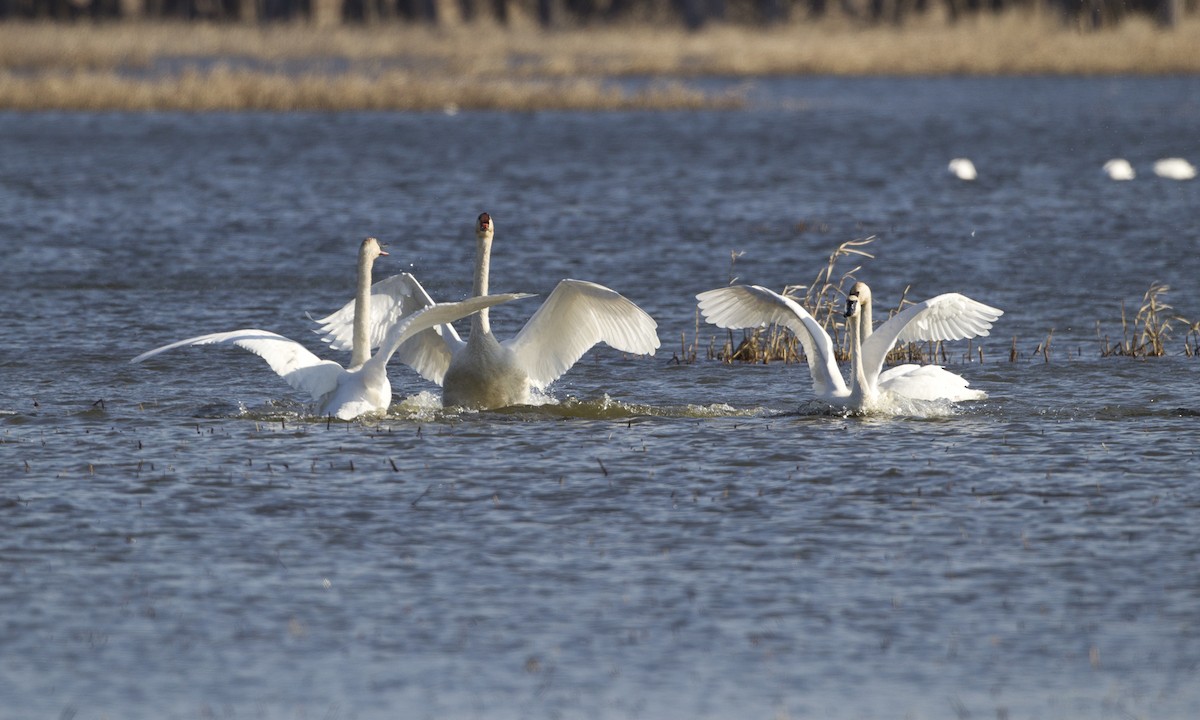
{"x": 749, "y": 306}
{"x": 289, "y": 359}
{"x": 577, "y": 315}
{"x": 399, "y": 334}
{"x": 945, "y": 317}
{"x": 393, "y": 298}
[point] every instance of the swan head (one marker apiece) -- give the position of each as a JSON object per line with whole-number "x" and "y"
{"x": 853, "y": 305}
{"x": 371, "y": 249}
{"x": 484, "y": 227}
{"x": 861, "y": 292}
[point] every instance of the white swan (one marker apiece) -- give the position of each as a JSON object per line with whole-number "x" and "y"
{"x": 1119, "y": 169}
{"x": 344, "y": 393}
{"x": 945, "y": 317}
{"x": 484, "y": 373}
{"x": 962, "y": 168}
{"x": 1174, "y": 169}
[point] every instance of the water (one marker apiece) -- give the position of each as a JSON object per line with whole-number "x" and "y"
{"x": 658, "y": 540}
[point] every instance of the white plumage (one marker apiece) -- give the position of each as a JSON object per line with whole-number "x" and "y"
{"x": 362, "y": 388}
{"x": 1119, "y": 169}
{"x": 962, "y": 168}
{"x": 945, "y": 317}
{"x": 1174, "y": 169}
{"x": 483, "y": 372}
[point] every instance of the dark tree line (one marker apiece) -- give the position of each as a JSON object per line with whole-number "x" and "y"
{"x": 693, "y": 14}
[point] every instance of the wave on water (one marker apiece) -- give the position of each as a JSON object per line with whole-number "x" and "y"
{"x": 426, "y": 406}
{"x": 601, "y": 408}
{"x": 895, "y": 407}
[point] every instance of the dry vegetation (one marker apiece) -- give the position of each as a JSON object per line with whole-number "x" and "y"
{"x": 199, "y": 66}
{"x": 1151, "y": 328}
{"x": 1146, "y": 335}
{"x": 824, "y": 298}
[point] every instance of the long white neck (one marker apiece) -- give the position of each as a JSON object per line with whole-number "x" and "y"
{"x": 483, "y": 258}
{"x": 361, "y": 343}
{"x": 861, "y": 391}
{"x": 864, "y": 332}
{"x": 865, "y": 326}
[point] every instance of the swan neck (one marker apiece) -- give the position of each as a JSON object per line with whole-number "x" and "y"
{"x": 361, "y": 343}
{"x": 859, "y": 385}
{"x": 480, "y": 323}
{"x": 865, "y": 326}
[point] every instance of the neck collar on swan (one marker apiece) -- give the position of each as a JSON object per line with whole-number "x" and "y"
{"x": 485, "y": 230}
{"x": 361, "y": 343}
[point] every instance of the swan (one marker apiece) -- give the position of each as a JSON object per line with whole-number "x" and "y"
{"x": 344, "y": 393}
{"x": 1174, "y": 169}
{"x": 1119, "y": 169}
{"x": 483, "y": 372}
{"x": 945, "y": 317}
{"x": 962, "y": 168}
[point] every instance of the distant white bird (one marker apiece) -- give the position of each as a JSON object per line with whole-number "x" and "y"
{"x": 945, "y": 317}
{"x": 345, "y": 393}
{"x": 1119, "y": 169}
{"x": 483, "y": 372}
{"x": 1174, "y": 169}
{"x": 962, "y": 168}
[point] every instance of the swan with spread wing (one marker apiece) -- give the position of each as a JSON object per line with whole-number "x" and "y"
{"x": 483, "y": 372}
{"x": 363, "y": 387}
{"x": 945, "y": 317}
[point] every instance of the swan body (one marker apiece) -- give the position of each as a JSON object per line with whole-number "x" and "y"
{"x": 484, "y": 372}
{"x": 962, "y": 168}
{"x": 945, "y": 317}
{"x": 1174, "y": 169}
{"x": 1119, "y": 169}
{"x": 362, "y": 388}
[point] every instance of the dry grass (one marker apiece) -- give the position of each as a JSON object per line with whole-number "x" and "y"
{"x": 823, "y": 298}
{"x": 137, "y": 64}
{"x": 223, "y": 88}
{"x": 1150, "y": 330}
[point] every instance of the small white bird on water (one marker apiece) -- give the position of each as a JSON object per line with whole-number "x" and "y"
{"x": 962, "y": 168}
{"x": 1174, "y": 169}
{"x": 362, "y": 388}
{"x": 1119, "y": 169}
{"x": 483, "y": 372}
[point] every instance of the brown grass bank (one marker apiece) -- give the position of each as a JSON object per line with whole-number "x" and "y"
{"x": 189, "y": 66}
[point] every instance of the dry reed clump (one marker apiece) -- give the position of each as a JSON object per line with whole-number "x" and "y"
{"x": 1147, "y": 334}
{"x": 823, "y": 298}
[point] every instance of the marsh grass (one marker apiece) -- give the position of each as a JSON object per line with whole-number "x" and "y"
{"x": 1147, "y": 333}
{"x": 225, "y": 89}
{"x": 137, "y": 64}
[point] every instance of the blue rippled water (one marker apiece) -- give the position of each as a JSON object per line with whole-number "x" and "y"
{"x": 659, "y": 539}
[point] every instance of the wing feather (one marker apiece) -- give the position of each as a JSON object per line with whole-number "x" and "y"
{"x": 392, "y": 299}
{"x": 577, "y": 315}
{"x": 945, "y": 317}
{"x": 293, "y": 362}
{"x": 749, "y": 306}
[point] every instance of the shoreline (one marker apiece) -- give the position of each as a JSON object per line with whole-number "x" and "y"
{"x": 142, "y": 66}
